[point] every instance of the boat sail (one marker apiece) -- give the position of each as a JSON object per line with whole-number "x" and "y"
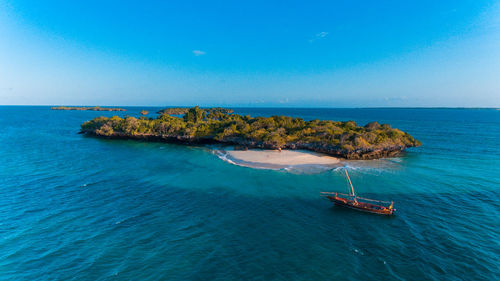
{"x": 355, "y": 202}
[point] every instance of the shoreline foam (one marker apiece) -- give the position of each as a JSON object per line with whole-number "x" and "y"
{"x": 275, "y": 159}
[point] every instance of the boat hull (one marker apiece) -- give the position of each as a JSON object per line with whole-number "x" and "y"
{"x": 361, "y": 206}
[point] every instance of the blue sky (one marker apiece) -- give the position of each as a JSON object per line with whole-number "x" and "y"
{"x": 252, "y": 53}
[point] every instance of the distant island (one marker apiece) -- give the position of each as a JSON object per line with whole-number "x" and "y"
{"x": 91, "y": 108}
{"x": 216, "y": 125}
{"x": 184, "y": 110}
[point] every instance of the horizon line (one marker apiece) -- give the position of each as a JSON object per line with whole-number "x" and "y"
{"x": 283, "y": 107}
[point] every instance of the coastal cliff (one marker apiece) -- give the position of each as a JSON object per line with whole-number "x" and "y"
{"x": 197, "y": 126}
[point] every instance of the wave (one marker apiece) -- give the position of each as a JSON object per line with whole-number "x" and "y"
{"x": 378, "y": 165}
{"x": 224, "y": 156}
{"x": 296, "y": 169}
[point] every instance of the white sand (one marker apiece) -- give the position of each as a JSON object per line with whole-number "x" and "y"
{"x": 283, "y": 158}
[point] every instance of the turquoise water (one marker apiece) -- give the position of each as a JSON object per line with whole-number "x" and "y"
{"x": 80, "y": 208}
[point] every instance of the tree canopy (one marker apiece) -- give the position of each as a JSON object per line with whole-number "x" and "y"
{"x": 202, "y": 125}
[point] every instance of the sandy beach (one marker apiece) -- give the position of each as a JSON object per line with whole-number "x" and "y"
{"x": 276, "y": 159}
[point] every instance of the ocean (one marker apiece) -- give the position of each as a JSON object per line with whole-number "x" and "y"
{"x": 74, "y": 207}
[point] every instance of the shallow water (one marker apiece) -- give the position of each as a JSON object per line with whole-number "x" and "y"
{"x": 299, "y": 161}
{"x": 81, "y": 208}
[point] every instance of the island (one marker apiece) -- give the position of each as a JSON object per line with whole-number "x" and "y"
{"x": 184, "y": 110}
{"x": 144, "y": 112}
{"x": 207, "y": 126}
{"x": 91, "y": 108}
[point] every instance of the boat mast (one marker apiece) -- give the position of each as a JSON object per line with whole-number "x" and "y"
{"x": 352, "y": 187}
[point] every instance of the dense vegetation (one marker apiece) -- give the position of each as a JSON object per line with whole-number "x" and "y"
{"x": 345, "y": 139}
{"x": 92, "y": 108}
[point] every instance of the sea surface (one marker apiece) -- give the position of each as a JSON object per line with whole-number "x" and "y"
{"x": 74, "y": 207}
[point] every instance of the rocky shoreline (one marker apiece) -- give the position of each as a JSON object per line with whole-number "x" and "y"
{"x": 216, "y": 126}
{"x": 358, "y": 154}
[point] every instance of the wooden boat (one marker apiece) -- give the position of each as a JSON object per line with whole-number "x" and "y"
{"x": 355, "y": 202}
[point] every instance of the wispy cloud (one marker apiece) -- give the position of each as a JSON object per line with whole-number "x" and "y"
{"x": 398, "y": 98}
{"x": 322, "y": 34}
{"x": 318, "y": 36}
{"x": 285, "y": 100}
{"x": 199, "y": 53}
